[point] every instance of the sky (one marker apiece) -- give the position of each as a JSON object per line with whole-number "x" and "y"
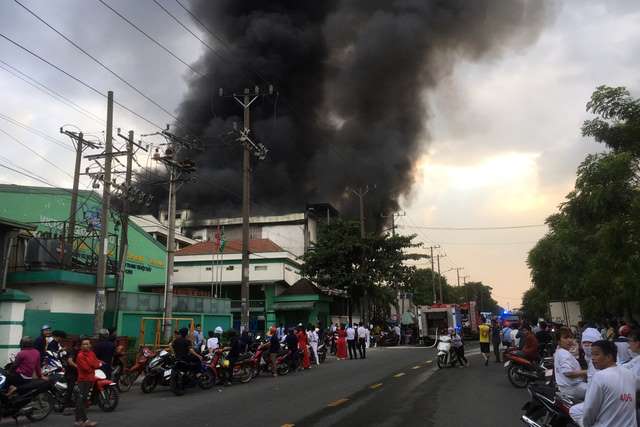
{"x": 503, "y": 140}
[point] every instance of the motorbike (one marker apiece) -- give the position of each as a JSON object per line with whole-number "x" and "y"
{"x": 322, "y": 352}
{"x": 157, "y": 371}
{"x": 129, "y": 376}
{"x": 243, "y": 369}
{"x": 547, "y": 408}
{"x": 446, "y": 356}
{"x": 184, "y": 376}
{"x": 104, "y": 392}
{"x": 32, "y": 400}
{"x": 522, "y": 371}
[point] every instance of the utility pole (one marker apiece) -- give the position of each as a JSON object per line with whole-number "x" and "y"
{"x": 361, "y": 192}
{"x": 80, "y": 144}
{"x": 433, "y": 279}
{"x": 103, "y": 247}
{"x": 260, "y": 151}
{"x": 440, "y": 278}
{"x": 393, "y": 217}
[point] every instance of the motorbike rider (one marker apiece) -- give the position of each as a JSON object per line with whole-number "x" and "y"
{"x": 41, "y": 342}
{"x": 213, "y": 342}
{"x": 545, "y": 339}
{"x": 569, "y": 375}
{"x": 86, "y": 362}
{"x": 458, "y": 347}
{"x": 104, "y": 350}
{"x": 292, "y": 345}
{"x": 234, "y": 349}
{"x": 183, "y": 350}
{"x": 611, "y": 398}
{"x": 55, "y": 345}
{"x": 530, "y": 348}
{"x": 25, "y": 366}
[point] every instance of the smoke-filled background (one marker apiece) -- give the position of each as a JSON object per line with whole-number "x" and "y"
{"x": 352, "y": 81}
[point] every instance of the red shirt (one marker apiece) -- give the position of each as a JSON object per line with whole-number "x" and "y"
{"x": 87, "y": 363}
{"x": 28, "y": 363}
{"x": 530, "y": 348}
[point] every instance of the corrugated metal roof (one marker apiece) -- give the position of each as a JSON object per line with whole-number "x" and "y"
{"x": 231, "y": 247}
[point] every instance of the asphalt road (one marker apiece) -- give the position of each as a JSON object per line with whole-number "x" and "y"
{"x": 392, "y": 387}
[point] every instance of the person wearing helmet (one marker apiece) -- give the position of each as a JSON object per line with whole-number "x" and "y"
{"x": 104, "y": 350}
{"x": 41, "y": 342}
{"x": 213, "y": 342}
{"x": 622, "y": 343}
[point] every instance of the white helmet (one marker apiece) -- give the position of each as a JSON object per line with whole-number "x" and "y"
{"x": 218, "y": 330}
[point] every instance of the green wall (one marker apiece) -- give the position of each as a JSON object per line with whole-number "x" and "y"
{"x": 71, "y": 323}
{"x": 146, "y": 258}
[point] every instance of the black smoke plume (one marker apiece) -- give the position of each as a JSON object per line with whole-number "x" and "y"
{"x": 351, "y": 76}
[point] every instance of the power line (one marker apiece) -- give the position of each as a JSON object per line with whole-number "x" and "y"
{"x": 96, "y": 60}
{"x": 185, "y": 27}
{"x": 35, "y": 131}
{"x": 156, "y": 42}
{"x": 47, "y": 90}
{"x": 83, "y": 83}
{"x": 507, "y": 227}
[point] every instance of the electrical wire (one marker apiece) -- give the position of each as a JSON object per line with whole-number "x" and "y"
{"x": 156, "y": 42}
{"x": 48, "y": 91}
{"x": 35, "y": 131}
{"x": 78, "y": 80}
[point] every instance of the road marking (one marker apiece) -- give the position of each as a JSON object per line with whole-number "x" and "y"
{"x": 337, "y": 402}
{"x": 375, "y": 386}
{"x": 417, "y": 367}
{"x": 287, "y": 425}
{"x": 399, "y": 375}
{"x": 429, "y": 361}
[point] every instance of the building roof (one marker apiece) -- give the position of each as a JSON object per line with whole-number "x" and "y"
{"x": 302, "y": 287}
{"x": 292, "y": 218}
{"x": 9, "y": 223}
{"x": 231, "y": 247}
{"x": 151, "y": 224}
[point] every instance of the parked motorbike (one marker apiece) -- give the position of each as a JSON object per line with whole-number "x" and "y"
{"x": 104, "y": 392}
{"x": 131, "y": 374}
{"x": 157, "y": 371}
{"x": 522, "y": 371}
{"x": 446, "y": 356}
{"x": 547, "y": 408}
{"x": 32, "y": 400}
{"x": 183, "y": 377}
{"x": 243, "y": 369}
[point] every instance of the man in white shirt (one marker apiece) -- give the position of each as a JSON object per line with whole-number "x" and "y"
{"x": 351, "y": 341}
{"x": 214, "y": 340}
{"x": 634, "y": 364}
{"x": 396, "y": 329}
{"x": 568, "y": 373}
{"x": 362, "y": 341}
{"x": 611, "y": 398}
{"x": 312, "y": 336}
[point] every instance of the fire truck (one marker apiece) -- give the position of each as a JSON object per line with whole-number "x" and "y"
{"x": 436, "y": 319}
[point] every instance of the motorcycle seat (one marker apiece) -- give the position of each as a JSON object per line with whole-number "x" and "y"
{"x": 546, "y": 390}
{"x": 35, "y": 384}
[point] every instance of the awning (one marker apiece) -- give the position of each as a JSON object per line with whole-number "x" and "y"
{"x": 293, "y": 305}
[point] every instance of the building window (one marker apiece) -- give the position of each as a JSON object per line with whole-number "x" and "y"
{"x": 208, "y": 268}
{"x": 175, "y": 270}
{"x": 260, "y": 267}
{"x": 229, "y": 268}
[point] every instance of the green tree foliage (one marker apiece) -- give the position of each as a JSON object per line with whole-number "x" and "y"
{"x": 592, "y": 250}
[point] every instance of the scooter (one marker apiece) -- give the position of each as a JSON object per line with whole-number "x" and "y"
{"x": 522, "y": 371}
{"x": 104, "y": 392}
{"x": 446, "y": 356}
{"x": 32, "y": 400}
{"x": 157, "y": 371}
{"x": 547, "y": 408}
{"x": 130, "y": 375}
{"x": 243, "y": 369}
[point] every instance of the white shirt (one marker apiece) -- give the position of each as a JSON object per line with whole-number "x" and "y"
{"x": 212, "y": 343}
{"x": 624, "y": 354}
{"x": 564, "y": 362}
{"x": 351, "y": 333}
{"x": 633, "y": 365}
{"x": 313, "y": 337}
{"x": 396, "y": 329}
{"x": 611, "y": 399}
{"x": 362, "y": 332}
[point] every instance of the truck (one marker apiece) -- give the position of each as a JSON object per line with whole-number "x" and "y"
{"x": 567, "y": 313}
{"x": 434, "y": 320}
{"x": 470, "y": 318}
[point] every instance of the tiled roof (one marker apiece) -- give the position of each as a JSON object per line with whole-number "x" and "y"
{"x": 231, "y": 247}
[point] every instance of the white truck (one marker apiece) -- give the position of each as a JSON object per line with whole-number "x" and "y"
{"x": 565, "y": 312}
{"x": 434, "y": 320}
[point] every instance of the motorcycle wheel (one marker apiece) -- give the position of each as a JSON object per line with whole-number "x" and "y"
{"x": 59, "y": 399}
{"x": 149, "y": 383}
{"x": 108, "y": 399}
{"x": 323, "y": 356}
{"x": 42, "y": 405}
{"x": 126, "y": 381}
{"x": 283, "y": 368}
{"x": 176, "y": 384}
{"x": 245, "y": 374}
{"x": 206, "y": 380}
{"x": 441, "y": 362}
{"x": 517, "y": 380}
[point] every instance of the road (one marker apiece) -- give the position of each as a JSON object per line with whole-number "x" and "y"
{"x": 392, "y": 387}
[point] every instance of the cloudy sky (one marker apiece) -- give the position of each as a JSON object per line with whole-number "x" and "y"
{"x": 504, "y": 137}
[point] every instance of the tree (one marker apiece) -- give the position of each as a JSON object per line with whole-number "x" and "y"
{"x": 535, "y": 305}
{"x": 592, "y": 250}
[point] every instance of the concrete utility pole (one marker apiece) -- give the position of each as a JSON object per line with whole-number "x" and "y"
{"x": 80, "y": 144}
{"x": 103, "y": 247}
{"x": 433, "y": 279}
{"x": 361, "y": 192}
{"x": 440, "y": 278}
{"x": 260, "y": 151}
{"x": 393, "y": 217}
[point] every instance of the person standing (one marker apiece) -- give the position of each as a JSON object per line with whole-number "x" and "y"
{"x": 274, "y": 349}
{"x": 362, "y": 341}
{"x": 87, "y": 363}
{"x": 507, "y": 339}
{"x": 398, "y": 332}
{"x": 622, "y": 344}
{"x": 303, "y": 348}
{"x": 312, "y": 336}
{"x": 198, "y": 338}
{"x": 104, "y": 351}
{"x": 458, "y": 348}
{"x": 485, "y": 335}
{"x": 496, "y": 338}
{"x": 280, "y": 331}
{"x": 341, "y": 344}
{"x": 611, "y": 398}
{"x": 292, "y": 345}
{"x": 351, "y": 341}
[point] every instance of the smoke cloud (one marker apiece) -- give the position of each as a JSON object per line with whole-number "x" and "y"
{"x": 351, "y": 77}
